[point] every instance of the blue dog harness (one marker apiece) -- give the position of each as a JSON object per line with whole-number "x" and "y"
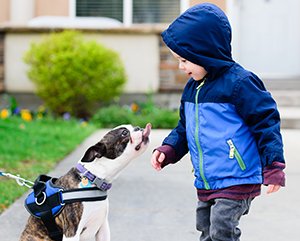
{"x": 48, "y": 200}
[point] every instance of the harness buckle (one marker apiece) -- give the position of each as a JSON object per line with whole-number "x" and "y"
{"x": 102, "y": 184}
{"x": 42, "y": 202}
{"x": 62, "y": 203}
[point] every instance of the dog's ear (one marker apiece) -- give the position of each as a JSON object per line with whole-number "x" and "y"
{"x": 97, "y": 150}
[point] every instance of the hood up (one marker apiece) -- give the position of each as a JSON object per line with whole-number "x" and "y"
{"x": 202, "y": 35}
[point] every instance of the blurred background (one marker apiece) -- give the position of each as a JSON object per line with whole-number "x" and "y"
{"x": 111, "y": 67}
{"x": 265, "y": 36}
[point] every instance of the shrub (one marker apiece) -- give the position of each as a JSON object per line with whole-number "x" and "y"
{"x": 137, "y": 114}
{"x": 112, "y": 116}
{"x": 72, "y": 75}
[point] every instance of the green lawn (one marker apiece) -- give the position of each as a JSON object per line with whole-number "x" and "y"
{"x": 33, "y": 148}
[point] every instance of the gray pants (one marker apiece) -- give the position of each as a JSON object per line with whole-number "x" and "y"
{"x": 218, "y": 219}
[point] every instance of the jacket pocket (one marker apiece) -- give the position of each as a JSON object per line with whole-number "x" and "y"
{"x": 233, "y": 153}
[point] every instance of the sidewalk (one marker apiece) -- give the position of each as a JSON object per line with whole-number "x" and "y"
{"x": 146, "y": 205}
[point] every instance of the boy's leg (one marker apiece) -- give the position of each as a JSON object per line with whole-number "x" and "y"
{"x": 225, "y": 216}
{"x": 203, "y": 220}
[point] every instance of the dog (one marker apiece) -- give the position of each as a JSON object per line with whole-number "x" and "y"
{"x": 82, "y": 221}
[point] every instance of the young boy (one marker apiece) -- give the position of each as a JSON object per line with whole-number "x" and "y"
{"x": 228, "y": 122}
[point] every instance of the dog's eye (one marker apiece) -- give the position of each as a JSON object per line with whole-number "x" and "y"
{"x": 125, "y": 133}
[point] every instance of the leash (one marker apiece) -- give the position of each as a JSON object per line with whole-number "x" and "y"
{"x": 20, "y": 181}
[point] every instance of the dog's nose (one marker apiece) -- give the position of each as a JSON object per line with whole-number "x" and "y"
{"x": 137, "y": 128}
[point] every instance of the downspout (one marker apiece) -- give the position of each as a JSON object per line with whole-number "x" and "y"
{"x": 21, "y": 11}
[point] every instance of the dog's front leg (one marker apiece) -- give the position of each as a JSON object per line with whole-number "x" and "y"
{"x": 75, "y": 238}
{"x": 104, "y": 232}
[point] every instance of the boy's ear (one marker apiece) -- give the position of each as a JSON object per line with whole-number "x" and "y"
{"x": 97, "y": 150}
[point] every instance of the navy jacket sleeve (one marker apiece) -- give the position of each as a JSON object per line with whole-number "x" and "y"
{"x": 177, "y": 138}
{"x": 259, "y": 111}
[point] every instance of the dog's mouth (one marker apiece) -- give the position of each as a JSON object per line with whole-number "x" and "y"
{"x": 145, "y": 136}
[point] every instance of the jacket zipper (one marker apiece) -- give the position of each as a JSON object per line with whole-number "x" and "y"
{"x": 206, "y": 185}
{"x": 233, "y": 152}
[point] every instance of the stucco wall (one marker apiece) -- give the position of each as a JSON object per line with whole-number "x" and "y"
{"x": 52, "y": 8}
{"x": 139, "y": 52}
{"x": 221, "y": 4}
{"x": 4, "y": 11}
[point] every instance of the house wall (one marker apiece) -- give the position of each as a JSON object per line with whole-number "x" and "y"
{"x": 164, "y": 66}
{"x": 61, "y": 7}
{"x": 4, "y": 10}
{"x": 52, "y": 7}
{"x": 1, "y": 62}
{"x": 171, "y": 77}
{"x": 221, "y": 4}
{"x": 138, "y": 50}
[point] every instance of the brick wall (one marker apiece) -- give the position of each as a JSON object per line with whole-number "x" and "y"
{"x": 171, "y": 78}
{"x": 1, "y": 62}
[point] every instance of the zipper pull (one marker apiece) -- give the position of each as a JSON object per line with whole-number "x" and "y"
{"x": 200, "y": 85}
{"x": 231, "y": 149}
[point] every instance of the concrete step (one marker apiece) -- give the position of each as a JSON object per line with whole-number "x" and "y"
{"x": 290, "y": 98}
{"x": 288, "y": 101}
{"x": 290, "y": 117}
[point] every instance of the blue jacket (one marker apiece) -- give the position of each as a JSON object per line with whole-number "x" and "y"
{"x": 229, "y": 121}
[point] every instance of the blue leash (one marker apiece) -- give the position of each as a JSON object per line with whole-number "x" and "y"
{"x": 20, "y": 181}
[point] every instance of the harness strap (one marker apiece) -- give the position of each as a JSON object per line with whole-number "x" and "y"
{"x": 54, "y": 231}
{"x": 87, "y": 194}
{"x": 47, "y": 201}
{"x": 50, "y": 202}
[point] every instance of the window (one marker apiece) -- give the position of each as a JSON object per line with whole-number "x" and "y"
{"x": 155, "y": 11}
{"x": 100, "y": 8}
{"x": 131, "y": 11}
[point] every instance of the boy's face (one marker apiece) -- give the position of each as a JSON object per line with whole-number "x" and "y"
{"x": 195, "y": 71}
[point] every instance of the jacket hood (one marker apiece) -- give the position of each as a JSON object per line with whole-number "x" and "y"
{"x": 202, "y": 35}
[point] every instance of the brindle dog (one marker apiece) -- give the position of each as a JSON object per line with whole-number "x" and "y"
{"x": 88, "y": 220}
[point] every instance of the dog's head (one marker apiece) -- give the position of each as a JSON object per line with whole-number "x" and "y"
{"x": 125, "y": 140}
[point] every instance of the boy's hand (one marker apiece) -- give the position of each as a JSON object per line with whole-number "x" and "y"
{"x": 157, "y": 159}
{"x": 273, "y": 188}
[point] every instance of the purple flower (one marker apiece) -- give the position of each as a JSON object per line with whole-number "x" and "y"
{"x": 66, "y": 116}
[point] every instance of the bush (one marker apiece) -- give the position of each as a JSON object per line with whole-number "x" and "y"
{"x": 112, "y": 116}
{"x": 72, "y": 75}
{"x": 136, "y": 114}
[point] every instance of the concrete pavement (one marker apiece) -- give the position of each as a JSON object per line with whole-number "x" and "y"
{"x": 146, "y": 205}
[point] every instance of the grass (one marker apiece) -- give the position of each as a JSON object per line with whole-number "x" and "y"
{"x": 33, "y": 148}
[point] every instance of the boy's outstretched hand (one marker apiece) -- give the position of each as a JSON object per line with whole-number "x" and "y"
{"x": 273, "y": 188}
{"x": 157, "y": 159}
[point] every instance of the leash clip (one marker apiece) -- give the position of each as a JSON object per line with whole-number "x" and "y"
{"x": 20, "y": 181}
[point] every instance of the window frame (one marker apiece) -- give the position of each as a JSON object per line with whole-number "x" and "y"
{"x": 127, "y": 10}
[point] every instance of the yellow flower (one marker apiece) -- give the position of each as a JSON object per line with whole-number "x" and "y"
{"x": 134, "y": 107}
{"x": 39, "y": 116}
{"x": 84, "y": 124}
{"x": 41, "y": 109}
{"x": 4, "y": 113}
{"x": 26, "y": 115}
